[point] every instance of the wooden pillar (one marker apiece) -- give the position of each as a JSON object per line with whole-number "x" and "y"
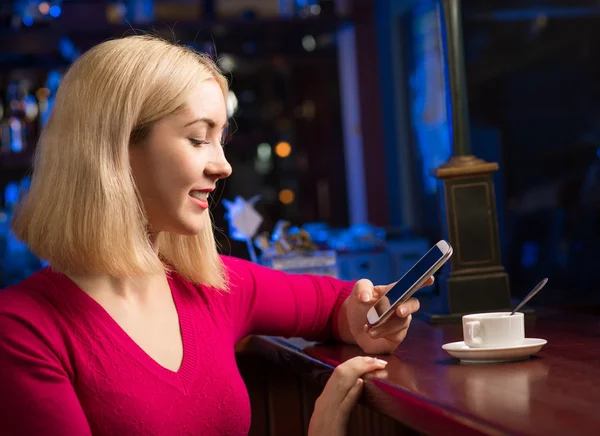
{"x": 370, "y": 113}
{"x": 474, "y": 280}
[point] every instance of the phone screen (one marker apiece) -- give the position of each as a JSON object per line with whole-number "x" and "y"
{"x": 412, "y": 276}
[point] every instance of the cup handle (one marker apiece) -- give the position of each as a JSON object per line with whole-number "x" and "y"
{"x": 473, "y": 329}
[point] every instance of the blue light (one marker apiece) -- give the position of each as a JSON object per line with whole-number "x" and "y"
{"x": 530, "y": 253}
{"x": 11, "y": 193}
{"x": 598, "y": 153}
{"x": 67, "y": 49}
{"x": 28, "y": 21}
{"x": 550, "y": 12}
{"x": 25, "y": 184}
{"x": 55, "y": 11}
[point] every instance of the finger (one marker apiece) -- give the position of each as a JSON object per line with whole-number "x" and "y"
{"x": 430, "y": 281}
{"x": 395, "y": 323}
{"x": 351, "y": 399}
{"x": 381, "y": 374}
{"x": 346, "y": 373}
{"x": 367, "y": 293}
{"x": 383, "y": 305}
{"x": 381, "y": 290}
{"x": 411, "y": 306}
{"x": 391, "y": 327}
{"x": 344, "y": 376}
{"x": 363, "y": 290}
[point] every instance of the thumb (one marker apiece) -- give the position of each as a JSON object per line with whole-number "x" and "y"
{"x": 380, "y": 291}
{"x": 363, "y": 291}
{"x": 366, "y": 293}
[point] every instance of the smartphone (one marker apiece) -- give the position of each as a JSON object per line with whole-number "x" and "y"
{"x": 410, "y": 283}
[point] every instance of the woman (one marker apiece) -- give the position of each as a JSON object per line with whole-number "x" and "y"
{"x": 132, "y": 328}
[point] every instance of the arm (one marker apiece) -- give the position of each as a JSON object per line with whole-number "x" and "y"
{"x": 266, "y": 301}
{"x": 343, "y": 326}
{"x": 37, "y": 396}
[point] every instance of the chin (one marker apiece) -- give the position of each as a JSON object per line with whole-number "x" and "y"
{"x": 189, "y": 231}
{"x": 191, "y": 228}
{"x": 184, "y": 228}
{"x": 187, "y": 223}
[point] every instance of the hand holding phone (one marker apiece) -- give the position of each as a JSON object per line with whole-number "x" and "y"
{"x": 368, "y": 310}
{"x": 410, "y": 283}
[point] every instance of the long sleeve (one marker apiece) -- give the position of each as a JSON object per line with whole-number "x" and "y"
{"x": 37, "y": 396}
{"x": 266, "y": 301}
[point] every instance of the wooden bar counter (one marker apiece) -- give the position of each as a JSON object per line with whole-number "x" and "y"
{"x": 425, "y": 391}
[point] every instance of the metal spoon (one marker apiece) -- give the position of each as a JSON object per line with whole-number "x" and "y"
{"x": 535, "y": 290}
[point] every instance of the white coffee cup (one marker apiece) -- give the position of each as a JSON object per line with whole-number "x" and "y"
{"x": 493, "y": 330}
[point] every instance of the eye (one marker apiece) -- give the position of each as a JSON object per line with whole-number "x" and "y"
{"x": 197, "y": 143}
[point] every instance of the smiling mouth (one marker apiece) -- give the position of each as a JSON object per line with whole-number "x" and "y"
{"x": 200, "y": 198}
{"x": 200, "y": 195}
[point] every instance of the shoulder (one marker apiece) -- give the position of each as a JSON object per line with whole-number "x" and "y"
{"x": 243, "y": 273}
{"x": 25, "y": 298}
{"x": 235, "y": 263}
{"x": 26, "y": 308}
{"x": 240, "y": 274}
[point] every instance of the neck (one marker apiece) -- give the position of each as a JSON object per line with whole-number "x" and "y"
{"x": 102, "y": 286}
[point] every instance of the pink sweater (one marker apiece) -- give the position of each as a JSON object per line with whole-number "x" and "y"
{"x": 67, "y": 368}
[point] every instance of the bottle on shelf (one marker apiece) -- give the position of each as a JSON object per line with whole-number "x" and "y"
{"x": 19, "y": 127}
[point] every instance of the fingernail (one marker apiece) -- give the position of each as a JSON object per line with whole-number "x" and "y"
{"x": 365, "y": 328}
{"x": 403, "y": 311}
{"x": 381, "y": 362}
{"x": 374, "y": 333}
{"x": 364, "y": 297}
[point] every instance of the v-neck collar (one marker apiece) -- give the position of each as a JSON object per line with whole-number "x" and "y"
{"x": 180, "y": 378}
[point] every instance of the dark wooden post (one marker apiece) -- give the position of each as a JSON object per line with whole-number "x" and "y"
{"x": 474, "y": 280}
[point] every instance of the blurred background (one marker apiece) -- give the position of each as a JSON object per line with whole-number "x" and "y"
{"x": 339, "y": 111}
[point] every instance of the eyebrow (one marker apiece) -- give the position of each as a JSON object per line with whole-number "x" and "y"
{"x": 210, "y": 122}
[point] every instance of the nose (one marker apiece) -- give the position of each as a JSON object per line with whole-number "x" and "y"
{"x": 218, "y": 167}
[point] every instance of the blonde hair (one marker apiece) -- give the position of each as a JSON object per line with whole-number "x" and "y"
{"x": 83, "y": 213}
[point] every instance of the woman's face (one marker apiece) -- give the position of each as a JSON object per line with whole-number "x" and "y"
{"x": 178, "y": 165}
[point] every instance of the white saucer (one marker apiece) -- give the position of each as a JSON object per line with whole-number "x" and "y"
{"x": 494, "y": 355}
